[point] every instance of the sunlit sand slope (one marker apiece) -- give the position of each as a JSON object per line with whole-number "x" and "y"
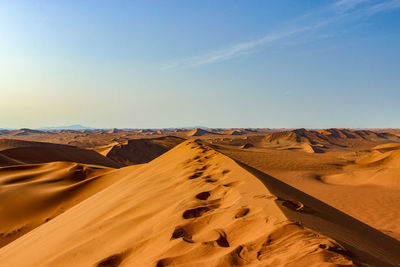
{"x": 31, "y": 195}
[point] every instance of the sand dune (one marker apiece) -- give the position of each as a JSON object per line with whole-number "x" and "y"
{"x": 237, "y": 132}
{"x": 113, "y": 131}
{"x": 291, "y": 137}
{"x": 302, "y": 147}
{"x": 37, "y": 193}
{"x": 247, "y": 145}
{"x": 298, "y": 140}
{"x": 138, "y": 151}
{"x": 199, "y": 132}
{"x": 7, "y": 161}
{"x": 190, "y": 207}
{"x": 232, "y": 132}
{"x": 15, "y": 143}
{"x": 27, "y": 152}
{"x": 24, "y": 131}
{"x": 387, "y": 147}
{"x": 380, "y": 166}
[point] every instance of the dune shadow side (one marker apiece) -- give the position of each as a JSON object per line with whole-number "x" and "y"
{"x": 367, "y": 246}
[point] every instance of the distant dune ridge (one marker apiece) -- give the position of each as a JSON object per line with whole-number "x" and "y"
{"x": 312, "y": 141}
{"x": 328, "y": 136}
{"x": 199, "y": 132}
{"x": 24, "y": 131}
{"x": 150, "y": 197}
{"x": 309, "y": 141}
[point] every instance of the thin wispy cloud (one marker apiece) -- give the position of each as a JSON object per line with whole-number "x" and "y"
{"x": 342, "y": 11}
{"x": 383, "y": 7}
{"x": 237, "y": 49}
{"x": 349, "y": 3}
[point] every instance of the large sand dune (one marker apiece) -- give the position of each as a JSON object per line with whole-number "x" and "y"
{"x": 34, "y": 194}
{"x": 189, "y": 207}
{"x": 199, "y": 132}
{"x": 27, "y": 152}
{"x": 137, "y": 151}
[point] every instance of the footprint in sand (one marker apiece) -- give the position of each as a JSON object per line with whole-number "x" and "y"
{"x": 225, "y": 172}
{"x": 195, "y": 175}
{"x": 222, "y": 240}
{"x": 198, "y": 172}
{"x": 272, "y": 197}
{"x": 182, "y": 232}
{"x": 198, "y": 212}
{"x": 294, "y": 205}
{"x": 209, "y": 179}
{"x": 232, "y": 184}
{"x": 203, "y": 195}
{"x": 242, "y": 212}
{"x": 112, "y": 261}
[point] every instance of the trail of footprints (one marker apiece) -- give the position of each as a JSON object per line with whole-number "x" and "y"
{"x": 209, "y": 200}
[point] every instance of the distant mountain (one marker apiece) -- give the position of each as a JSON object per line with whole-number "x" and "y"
{"x": 70, "y": 127}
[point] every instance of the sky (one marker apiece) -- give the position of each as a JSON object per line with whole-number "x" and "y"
{"x": 179, "y": 63}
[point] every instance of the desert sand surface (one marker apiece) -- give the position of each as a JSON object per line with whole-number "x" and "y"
{"x": 200, "y": 197}
{"x": 34, "y": 194}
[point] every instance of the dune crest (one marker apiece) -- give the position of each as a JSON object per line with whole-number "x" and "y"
{"x": 199, "y": 132}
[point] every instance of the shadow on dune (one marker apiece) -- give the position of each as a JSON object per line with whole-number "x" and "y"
{"x": 366, "y": 245}
{"x": 143, "y": 150}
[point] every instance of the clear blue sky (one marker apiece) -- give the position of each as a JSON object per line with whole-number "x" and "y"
{"x": 143, "y": 64}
